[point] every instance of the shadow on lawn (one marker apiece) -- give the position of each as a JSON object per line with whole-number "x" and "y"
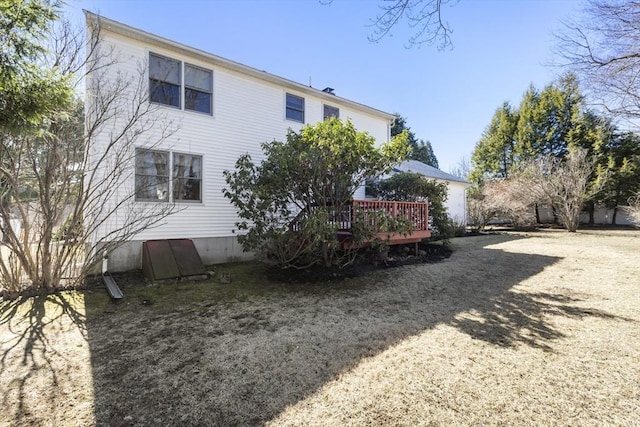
{"x": 516, "y": 318}
{"x": 241, "y": 357}
{"x": 28, "y": 342}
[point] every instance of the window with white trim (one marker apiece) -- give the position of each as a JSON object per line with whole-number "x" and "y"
{"x": 329, "y": 111}
{"x": 164, "y": 80}
{"x": 295, "y": 108}
{"x": 152, "y": 175}
{"x": 187, "y": 177}
{"x": 167, "y": 86}
{"x": 153, "y": 180}
{"x": 198, "y": 88}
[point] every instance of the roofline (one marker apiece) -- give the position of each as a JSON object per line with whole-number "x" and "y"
{"x": 137, "y": 34}
{"x": 453, "y": 179}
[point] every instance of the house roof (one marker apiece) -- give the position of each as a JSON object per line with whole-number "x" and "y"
{"x": 149, "y": 38}
{"x": 427, "y": 171}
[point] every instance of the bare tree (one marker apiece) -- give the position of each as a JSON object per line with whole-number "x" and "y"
{"x": 462, "y": 169}
{"x": 502, "y": 199}
{"x": 509, "y": 199}
{"x": 563, "y": 184}
{"x": 424, "y": 16}
{"x": 64, "y": 188}
{"x": 604, "y": 50}
{"x": 633, "y": 210}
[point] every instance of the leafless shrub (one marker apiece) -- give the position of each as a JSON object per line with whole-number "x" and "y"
{"x": 633, "y": 210}
{"x": 563, "y": 184}
{"x": 501, "y": 199}
{"x": 62, "y": 188}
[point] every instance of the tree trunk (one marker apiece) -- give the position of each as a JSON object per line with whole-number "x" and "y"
{"x": 615, "y": 214}
{"x": 591, "y": 208}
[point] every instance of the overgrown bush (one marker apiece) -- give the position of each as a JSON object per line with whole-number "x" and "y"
{"x": 508, "y": 199}
{"x": 293, "y": 204}
{"x": 413, "y": 187}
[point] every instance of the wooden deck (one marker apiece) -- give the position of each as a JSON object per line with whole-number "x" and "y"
{"x": 416, "y": 212}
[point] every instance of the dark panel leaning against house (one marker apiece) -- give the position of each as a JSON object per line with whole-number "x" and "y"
{"x": 170, "y": 259}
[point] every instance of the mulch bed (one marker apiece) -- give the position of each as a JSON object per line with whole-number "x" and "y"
{"x": 367, "y": 263}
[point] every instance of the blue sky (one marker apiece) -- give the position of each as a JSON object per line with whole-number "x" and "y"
{"x": 448, "y": 97}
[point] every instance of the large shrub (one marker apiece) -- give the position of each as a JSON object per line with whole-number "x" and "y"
{"x": 413, "y": 187}
{"x": 293, "y": 203}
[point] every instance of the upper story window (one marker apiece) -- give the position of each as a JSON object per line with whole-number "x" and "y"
{"x": 164, "y": 80}
{"x": 198, "y": 87}
{"x": 329, "y": 111}
{"x": 166, "y": 85}
{"x": 295, "y": 108}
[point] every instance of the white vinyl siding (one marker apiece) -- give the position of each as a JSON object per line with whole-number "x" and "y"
{"x": 246, "y": 112}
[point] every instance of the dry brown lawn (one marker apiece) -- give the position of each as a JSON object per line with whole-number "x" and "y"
{"x": 539, "y": 329}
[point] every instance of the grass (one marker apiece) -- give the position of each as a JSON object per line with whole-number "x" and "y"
{"x": 515, "y": 329}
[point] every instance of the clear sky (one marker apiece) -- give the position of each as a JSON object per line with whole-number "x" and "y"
{"x": 448, "y": 97}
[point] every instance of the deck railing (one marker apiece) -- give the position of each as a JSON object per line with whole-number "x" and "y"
{"x": 415, "y": 212}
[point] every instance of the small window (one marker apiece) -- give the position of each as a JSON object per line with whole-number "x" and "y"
{"x": 198, "y": 84}
{"x": 187, "y": 177}
{"x": 152, "y": 175}
{"x": 371, "y": 188}
{"x": 330, "y": 111}
{"x": 295, "y": 108}
{"x": 164, "y": 80}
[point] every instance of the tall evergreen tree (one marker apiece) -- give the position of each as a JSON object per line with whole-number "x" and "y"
{"x": 547, "y": 117}
{"x": 28, "y": 91}
{"x": 620, "y": 171}
{"x": 420, "y": 150}
{"x": 548, "y": 124}
{"x": 493, "y": 155}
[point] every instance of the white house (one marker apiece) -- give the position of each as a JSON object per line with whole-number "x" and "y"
{"x": 456, "y": 203}
{"x": 221, "y": 109}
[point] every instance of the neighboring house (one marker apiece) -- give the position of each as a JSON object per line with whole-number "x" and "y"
{"x": 224, "y": 109}
{"x": 456, "y": 203}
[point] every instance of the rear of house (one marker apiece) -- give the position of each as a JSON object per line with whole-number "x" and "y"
{"x": 208, "y": 111}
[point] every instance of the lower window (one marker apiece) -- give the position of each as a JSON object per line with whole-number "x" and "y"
{"x": 187, "y": 177}
{"x": 153, "y": 181}
{"x": 152, "y": 175}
